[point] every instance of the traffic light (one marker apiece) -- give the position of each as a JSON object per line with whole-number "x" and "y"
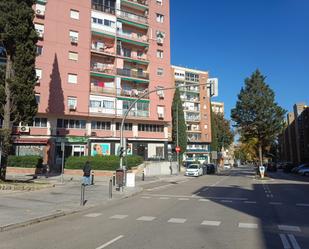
{"x": 121, "y": 151}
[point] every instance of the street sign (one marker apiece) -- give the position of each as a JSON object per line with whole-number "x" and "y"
{"x": 177, "y": 149}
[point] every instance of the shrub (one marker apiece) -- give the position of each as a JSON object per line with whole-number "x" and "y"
{"x": 102, "y": 162}
{"x": 24, "y": 161}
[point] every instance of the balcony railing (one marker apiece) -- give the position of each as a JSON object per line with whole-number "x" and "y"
{"x": 103, "y": 8}
{"x": 103, "y": 68}
{"x": 136, "y": 113}
{"x": 132, "y": 55}
{"x": 194, "y": 138}
{"x": 132, "y": 73}
{"x": 131, "y": 16}
{"x": 103, "y": 90}
{"x": 192, "y": 118}
{"x": 142, "y": 2}
{"x": 188, "y": 109}
{"x": 132, "y": 36}
{"x": 135, "y": 93}
{"x": 105, "y": 50}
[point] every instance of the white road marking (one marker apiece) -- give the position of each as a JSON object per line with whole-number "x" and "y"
{"x": 285, "y": 242}
{"x": 275, "y": 203}
{"x": 118, "y": 216}
{"x": 302, "y": 204}
{"x": 183, "y": 199}
{"x": 110, "y": 242}
{"x": 176, "y": 220}
{"x": 93, "y": 215}
{"x": 203, "y": 200}
{"x": 289, "y": 228}
{"x": 293, "y": 241}
{"x": 145, "y": 197}
{"x": 193, "y": 196}
{"x": 211, "y": 223}
{"x": 250, "y": 202}
{"x": 146, "y": 218}
{"x": 247, "y": 225}
{"x": 227, "y": 201}
{"x": 164, "y": 198}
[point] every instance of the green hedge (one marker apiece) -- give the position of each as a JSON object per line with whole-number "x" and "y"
{"x": 24, "y": 161}
{"x": 102, "y": 162}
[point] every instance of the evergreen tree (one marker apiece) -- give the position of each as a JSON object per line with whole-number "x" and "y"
{"x": 18, "y": 38}
{"x": 214, "y": 132}
{"x": 180, "y": 122}
{"x": 256, "y": 114}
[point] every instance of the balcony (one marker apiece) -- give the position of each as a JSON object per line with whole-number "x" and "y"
{"x": 133, "y": 38}
{"x": 132, "y": 73}
{"x": 101, "y": 48}
{"x": 191, "y": 109}
{"x": 132, "y": 56}
{"x": 136, "y": 113}
{"x": 140, "y": 4}
{"x": 194, "y": 137}
{"x": 102, "y": 68}
{"x": 103, "y": 90}
{"x": 189, "y": 99}
{"x": 133, "y": 93}
{"x": 132, "y": 17}
{"x": 103, "y": 8}
{"x": 192, "y": 118}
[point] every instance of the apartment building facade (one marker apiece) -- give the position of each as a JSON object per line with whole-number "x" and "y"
{"x": 196, "y": 105}
{"x": 95, "y": 58}
{"x": 217, "y": 107}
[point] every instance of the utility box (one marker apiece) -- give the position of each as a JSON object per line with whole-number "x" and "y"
{"x": 120, "y": 177}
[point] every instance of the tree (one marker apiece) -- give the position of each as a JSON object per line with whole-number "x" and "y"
{"x": 223, "y": 135}
{"x": 18, "y": 39}
{"x": 214, "y": 135}
{"x": 256, "y": 114}
{"x": 179, "y": 121}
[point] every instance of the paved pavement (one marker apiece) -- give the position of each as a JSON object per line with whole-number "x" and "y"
{"x": 20, "y": 208}
{"x": 228, "y": 211}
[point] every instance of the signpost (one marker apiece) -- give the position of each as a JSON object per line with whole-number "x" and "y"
{"x": 177, "y": 149}
{"x": 62, "y": 161}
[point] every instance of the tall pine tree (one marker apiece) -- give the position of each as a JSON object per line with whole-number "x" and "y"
{"x": 179, "y": 120}
{"x": 256, "y": 114}
{"x": 18, "y": 38}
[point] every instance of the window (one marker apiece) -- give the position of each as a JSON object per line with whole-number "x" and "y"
{"x": 40, "y": 10}
{"x": 160, "y": 54}
{"x": 160, "y": 2}
{"x": 72, "y": 78}
{"x": 73, "y": 36}
{"x": 40, "y": 122}
{"x": 98, "y": 125}
{"x": 39, "y": 28}
{"x": 72, "y": 102}
{"x": 126, "y": 126}
{"x": 78, "y": 150}
{"x": 39, "y": 50}
{"x": 150, "y": 128}
{"x": 37, "y": 98}
{"x": 104, "y": 22}
{"x": 73, "y": 56}
{"x": 74, "y": 14}
{"x": 108, "y": 104}
{"x": 160, "y": 110}
{"x": 160, "y": 18}
{"x": 71, "y": 123}
{"x": 160, "y": 71}
{"x": 38, "y": 73}
{"x": 160, "y": 93}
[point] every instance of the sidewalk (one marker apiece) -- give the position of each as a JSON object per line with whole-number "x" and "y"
{"x": 21, "y": 208}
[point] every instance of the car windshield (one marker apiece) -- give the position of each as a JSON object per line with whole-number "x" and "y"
{"x": 193, "y": 166}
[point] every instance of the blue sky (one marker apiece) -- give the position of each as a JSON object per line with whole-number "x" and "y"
{"x": 232, "y": 38}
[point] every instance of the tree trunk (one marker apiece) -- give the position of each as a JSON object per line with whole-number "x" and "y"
{"x": 260, "y": 154}
{"x": 6, "y": 126}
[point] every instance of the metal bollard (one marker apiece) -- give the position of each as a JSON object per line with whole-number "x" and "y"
{"x": 92, "y": 178}
{"x": 143, "y": 176}
{"x": 110, "y": 189}
{"x": 82, "y": 195}
{"x": 114, "y": 180}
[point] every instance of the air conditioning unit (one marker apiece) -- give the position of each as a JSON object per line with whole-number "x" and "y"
{"x": 39, "y": 12}
{"x": 161, "y": 95}
{"x": 72, "y": 108}
{"x": 160, "y": 115}
{"x": 24, "y": 129}
{"x": 160, "y": 40}
{"x": 40, "y": 33}
{"x": 74, "y": 39}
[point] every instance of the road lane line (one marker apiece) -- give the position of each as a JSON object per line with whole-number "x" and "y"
{"x": 275, "y": 203}
{"x": 285, "y": 242}
{"x": 145, "y": 197}
{"x": 211, "y": 223}
{"x": 93, "y": 215}
{"x": 110, "y": 242}
{"x": 250, "y": 202}
{"x": 164, "y": 198}
{"x": 302, "y": 204}
{"x": 289, "y": 228}
{"x": 247, "y": 225}
{"x": 203, "y": 200}
{"x": 118, "y": 216}
{"x": 146, "y": 218}
{"x": 183, "y": 199}
{"x": 177, "y": 220}
{"x": 293, "y": 241}
{"x": 226, "y": 201}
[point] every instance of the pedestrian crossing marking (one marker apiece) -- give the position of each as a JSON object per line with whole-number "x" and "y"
{"x": 119, "y": 216}
{"x": 146, "y": 218}
{"x": 211, "y": 223}
{"x": 177, "y": 220}
{"x": 93, "y": 215}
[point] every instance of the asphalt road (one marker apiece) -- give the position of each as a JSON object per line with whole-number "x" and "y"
{"x": 227, "y": 211}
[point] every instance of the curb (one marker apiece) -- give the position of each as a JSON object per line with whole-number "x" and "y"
{"x": 57, "y": 215}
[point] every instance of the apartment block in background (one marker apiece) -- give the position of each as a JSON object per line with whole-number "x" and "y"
{"x": 95, "y": 58}
{"x": 217, "y": 107}
{"x": 196, "y": 105}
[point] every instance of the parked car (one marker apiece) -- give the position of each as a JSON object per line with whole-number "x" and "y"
{"x": 303, "y": 169}
{"x": 288, "y": 166}
{"x": 296, "y": 169}
{"x": 226, "y": 166}
{"x": 209, "y": 169}
{"x": 194, "y": 170}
